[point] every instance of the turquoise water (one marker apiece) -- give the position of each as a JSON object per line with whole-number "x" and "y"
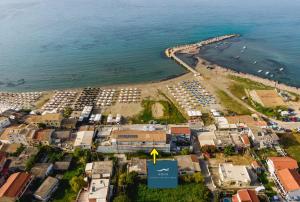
{"x": 53, "y": 44}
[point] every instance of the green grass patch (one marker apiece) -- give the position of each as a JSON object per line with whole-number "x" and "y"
{"x": 171, "y": 113}
{"x": 249, "y": 84}
{"x": 231, "y": 105}
{"x": 263, "y": 154}
{"x": 185, "y": 193}
{"x": 291, "y": 144}
{"x": 240, "y": 85}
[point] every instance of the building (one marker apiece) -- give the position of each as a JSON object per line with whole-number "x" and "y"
{"x": 187, "y": 164}
{"x": 124, "y": 141}
{"x": 263, "y": 138}
{"x": 99, "y": 169}
{"x": 16, "y": 185}
{"x": 46, "y": 189}
{"x": 20, "y": 134}
{"x": 234, "y": 175}
{"x": 18, "y": 163}
{"x": 84, "y": 139}
{"x": 43, "y": 137}
{"x": 4, "y": 122}
{"x": 207, "y": 138}
{"x": 245, "y": 195}
{"x": 138, "y": 165}
{"x": 289, "y": 183}
{"x": 2, "y": 160}
{"x": 279, "y": 163}
{"x": 249, "y": 121}
{"x": 285, "y": 174}
{"x": 50, "y": 120}
{"x": 62, "y": 165}
{"x": 69, "y": 123}
{"x": 99, "y": 190}
{"x": 41, "y": 170}
{"x": 181, "y": 131}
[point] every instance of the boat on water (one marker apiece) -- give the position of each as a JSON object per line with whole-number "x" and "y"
{"x": 254, "y": 62}
{"x": 244, "y": 47}
{"x": 267, "y": 73}
{"x": 281, "y": 69}
{"x": 259, "y": 71}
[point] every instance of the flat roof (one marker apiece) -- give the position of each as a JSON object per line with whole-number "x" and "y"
{"x": 46, "y": 187}
{"x": 99, "y": 189}
{"x": 84, "y": 138}
{"x": 234, "y": 172}
{"x": 139, "y": 136}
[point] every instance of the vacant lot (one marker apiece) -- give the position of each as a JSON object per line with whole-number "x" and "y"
{"x": 157, "y": 110}
{"x": 170, "y": 112}
{"x": 291, "y": 144}
{"x": 235, "y": 159}
{"x": 231, "y": 105}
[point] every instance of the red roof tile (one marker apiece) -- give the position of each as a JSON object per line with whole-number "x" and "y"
{"x": 245, "y": 139}
{"x": 245, "y": 195}
{"x": 14, "y": 184}
{"x": 180, "y": 130}
{"x": 290, "y": 179}
{"x": 284, "y": 162}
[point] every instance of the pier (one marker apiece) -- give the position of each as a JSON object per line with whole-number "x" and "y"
{"x": 171, "y": 52}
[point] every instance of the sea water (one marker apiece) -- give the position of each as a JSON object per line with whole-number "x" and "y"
{"x": 55, "y": 44}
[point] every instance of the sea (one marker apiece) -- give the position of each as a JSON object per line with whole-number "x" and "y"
{"x": 59, "y": 44}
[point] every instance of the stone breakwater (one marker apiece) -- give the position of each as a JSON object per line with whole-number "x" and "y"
{"x": 188, "y": 48}
{"x": 171, "y": 52}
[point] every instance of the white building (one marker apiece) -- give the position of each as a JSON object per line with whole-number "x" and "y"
{"x": 84, "y": 139}
{"x": 99, "y": 190}
{"x": 234, "y": 175}
{"x": 99, "y": 169}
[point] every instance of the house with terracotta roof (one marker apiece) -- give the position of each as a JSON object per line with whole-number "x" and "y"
{"x": 279, "y": 163}
{"x": 289, "y": 182}
{"x": 285, "y": 174}
{"x": 245, "y": 195}
{"x": 182, "y": 131}
{"x": 245, "y": 140}
{"x": 43, "y": 137}
{"x": 16, "y": 185}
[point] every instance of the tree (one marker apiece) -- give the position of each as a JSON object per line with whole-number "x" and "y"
{"x": 229, "y": 150}
{"x": 67, "y": 112}
{"x": 76, "y": 183}
{"x": 122, "y": 198}
{"x": 198, "y": 178}
{"x": 30, "y": 163}
{"x": 208, "y": 149}
{"x": 42, "y": 125}
{"x": 185, "y": 151}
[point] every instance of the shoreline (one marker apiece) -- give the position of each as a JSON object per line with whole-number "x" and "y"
{"x": 187, "y": 49}
{"x": 192, "y": 48}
